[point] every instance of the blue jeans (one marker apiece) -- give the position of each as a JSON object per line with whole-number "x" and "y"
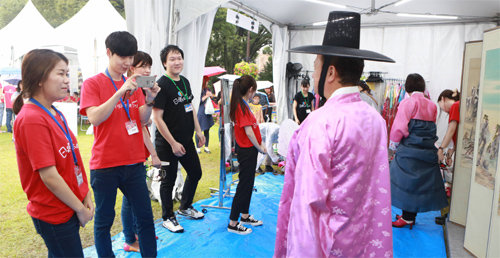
{"x": 131, "y": 182}
{"x": 8, "y": 119}
{"x": 62, "y": 240}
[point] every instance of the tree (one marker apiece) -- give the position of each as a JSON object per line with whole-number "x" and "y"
{"x": 267, "y": 73}
{"x": 228, "y": 43}
{"x": 9, "y": 9}
{"x": 56, "y": 12}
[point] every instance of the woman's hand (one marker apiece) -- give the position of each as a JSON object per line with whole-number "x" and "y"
{"x": 87, "y": 213}
{"x": 440, "y": 155}
{"x": 449, "y": 156}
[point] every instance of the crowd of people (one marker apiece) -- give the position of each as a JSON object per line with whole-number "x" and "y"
{"x": 339, "y": 185}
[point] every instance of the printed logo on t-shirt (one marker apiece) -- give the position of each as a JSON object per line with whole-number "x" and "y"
{"x": 64, "y": 151}
{"x": 181, "y": 99}
{"x": 133, "y": 104}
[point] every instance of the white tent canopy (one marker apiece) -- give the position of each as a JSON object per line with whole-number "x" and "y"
{"x": 26, "y": 31}
{"x": 87, "y": 31}
{"x": 432, "y": 47}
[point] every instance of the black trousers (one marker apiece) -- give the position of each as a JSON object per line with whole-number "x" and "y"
{"x": 247, "y": 159}
{"x": 191, "y": 163}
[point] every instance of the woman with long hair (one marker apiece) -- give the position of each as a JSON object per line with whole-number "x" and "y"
{"x": 449, "y": 102}
{"x": 416, "y": 182}
{"x": 141, "y": 67}
{"x": 248, "y": 145}
{"x": 48, "y": 156}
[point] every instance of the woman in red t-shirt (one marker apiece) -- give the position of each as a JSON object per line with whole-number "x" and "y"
{"x": 248, "y": 144}
{"x": 449, "y": 102}
{"x": 50, "y": 166}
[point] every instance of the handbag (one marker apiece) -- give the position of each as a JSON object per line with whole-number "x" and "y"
{"x": 209, "y": 107}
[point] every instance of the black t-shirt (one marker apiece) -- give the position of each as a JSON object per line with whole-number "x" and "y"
{"x": 303, "y": 104}
{"x": 179, "y": 122}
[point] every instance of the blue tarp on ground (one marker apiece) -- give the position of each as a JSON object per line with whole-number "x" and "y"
{"x": 209, "y": 237}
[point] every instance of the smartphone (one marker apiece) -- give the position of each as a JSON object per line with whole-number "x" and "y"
{"x": 145, "y": 81}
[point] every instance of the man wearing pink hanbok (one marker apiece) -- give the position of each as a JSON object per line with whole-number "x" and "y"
{"x": 336, "y": 199}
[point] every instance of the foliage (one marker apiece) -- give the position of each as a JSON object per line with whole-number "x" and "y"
{"x": 9, "y": 9}
{"x": 267, "y": 73}
{"x": 56, "y": 12}
{"x": 244, "y": 68}
{"x": 228, "y": 42}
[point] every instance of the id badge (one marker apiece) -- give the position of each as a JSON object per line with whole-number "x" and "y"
{"x": 131, "y": 127}
{"x": 188, "y": 108}
{"x": 308, "y": 111}
{"x": 78, "y": 174}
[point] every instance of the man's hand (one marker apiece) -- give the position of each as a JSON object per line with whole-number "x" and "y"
{"x": 130, "y": 85}
{"x": 262, "y": 149}
{"x": 151, "y": 93}
{"x": 155, "y": 161}
{"x": 178, "y": 149}
{"x": 201, "y": 139}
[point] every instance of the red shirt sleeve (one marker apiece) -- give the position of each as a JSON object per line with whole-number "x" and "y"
{"x": 40, "y": 149}
{"x": 89, "y": 95}
{"x": 455, "y": 112}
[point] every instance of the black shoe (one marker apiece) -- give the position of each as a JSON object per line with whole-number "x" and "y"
{"x": 239, "y": 229}
{"x": 269, "y": 168}
{"x": 259, "y": 170}
{"x": 251, "y": 221}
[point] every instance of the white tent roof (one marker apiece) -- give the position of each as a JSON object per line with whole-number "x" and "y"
{"x": 87, "y": 31}
{"x": 26, "y": 31}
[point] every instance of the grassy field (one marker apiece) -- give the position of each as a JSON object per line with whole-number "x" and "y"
{"x": 19, "y": 238}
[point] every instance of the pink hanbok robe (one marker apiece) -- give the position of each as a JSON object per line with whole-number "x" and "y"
{"x": 417, "y": 106}
{"x": 336, "y": 199}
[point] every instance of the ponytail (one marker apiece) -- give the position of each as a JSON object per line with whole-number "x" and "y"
{"x": 18, "y": 103}
{"x": 449, "y": 94}
{"x": 241, "y": 86}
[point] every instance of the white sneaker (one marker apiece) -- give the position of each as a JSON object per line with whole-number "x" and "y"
{"x": 172, "y": 225}
{"x": 198, "y": 150}
{"x": 192, "y": 213}
{"x": 239, "y": 229}
{"x": 207, "y": 150}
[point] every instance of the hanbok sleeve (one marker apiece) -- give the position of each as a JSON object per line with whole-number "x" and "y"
{"x": 399, "y": 128}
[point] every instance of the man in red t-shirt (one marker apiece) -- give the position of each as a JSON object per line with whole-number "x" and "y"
{"x": 118, "y": 110}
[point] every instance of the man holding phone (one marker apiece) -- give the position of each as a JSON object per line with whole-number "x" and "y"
{"x": 176, "y": 120}
{"x": 118, "y": 151}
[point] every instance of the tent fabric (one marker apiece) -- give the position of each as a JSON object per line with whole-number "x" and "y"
{"x": 147, "y": 20}
{"x": 434, "y": 51}
{"x": 26, "y": 31}
{"x": 87, "y": 30}
{"x": 192, "y": 9}
{"x": 193, "y": 40}
{"x": 280, "y": 39}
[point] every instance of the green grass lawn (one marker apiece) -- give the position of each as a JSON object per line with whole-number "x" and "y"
{"x": 19, "y": 238}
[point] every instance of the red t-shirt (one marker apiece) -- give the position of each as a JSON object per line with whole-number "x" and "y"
{"x": 40, "y": 143}
{"x": 242, "y": 120}
{"x": 113, "y": 146}
{"x": 455, "y": 116}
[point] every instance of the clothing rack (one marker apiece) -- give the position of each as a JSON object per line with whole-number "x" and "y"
{"x": 394, "y": 94}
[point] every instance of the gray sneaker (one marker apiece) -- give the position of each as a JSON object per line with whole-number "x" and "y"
{"x": 192, "y": 213}
{"x": 251, "y": 221}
